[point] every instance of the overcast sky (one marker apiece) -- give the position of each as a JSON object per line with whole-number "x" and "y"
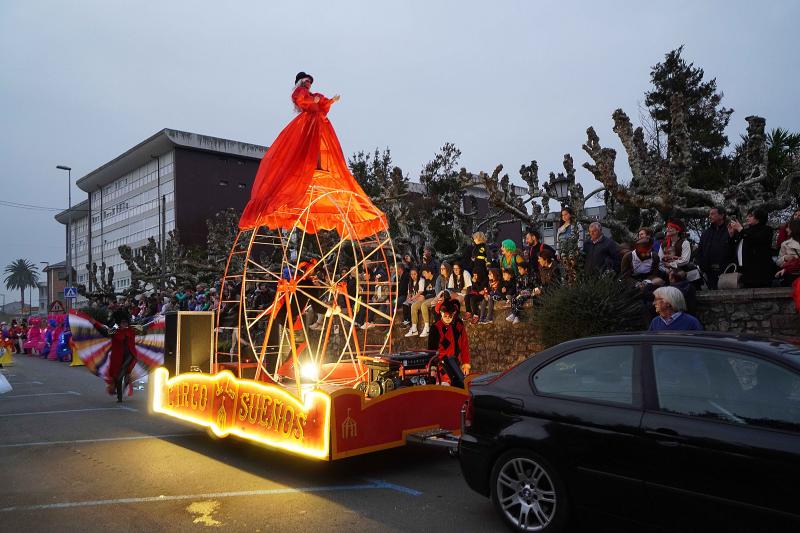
{"x": 507, "y": 82}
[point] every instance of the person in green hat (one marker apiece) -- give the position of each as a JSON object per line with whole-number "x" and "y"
{"x": 509, "y": 257}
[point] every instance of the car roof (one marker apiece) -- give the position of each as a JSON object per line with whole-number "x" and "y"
{"x": 781, "y": 349}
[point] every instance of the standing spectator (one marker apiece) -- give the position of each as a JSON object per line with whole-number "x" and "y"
{"x": 716, "y": 248}
{"x": 567, "y": 230}
{"x": 509, "y": 258}
{"x": 601, "y": 253}
{"x": 754, "y": 249}
{"x": 480, "y": 254}
{"x": 422, "y": 304}
{"x": 459, "y": 283}
{"x": 671, "y": 310}
{"x": 533, "y": 246}
{"x": 789, "y": 255}
{"x": 476, "y": 299}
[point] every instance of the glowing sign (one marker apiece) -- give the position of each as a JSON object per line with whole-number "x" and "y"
{"x": 263, "y": 413}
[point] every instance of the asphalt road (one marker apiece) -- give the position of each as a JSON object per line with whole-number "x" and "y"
{"x": 72, "y": 459}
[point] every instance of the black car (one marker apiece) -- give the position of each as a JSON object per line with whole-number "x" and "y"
{"x": 687, "y": 431}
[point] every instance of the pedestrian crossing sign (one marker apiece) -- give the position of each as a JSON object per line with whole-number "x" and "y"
{"x": 70, "y": 292}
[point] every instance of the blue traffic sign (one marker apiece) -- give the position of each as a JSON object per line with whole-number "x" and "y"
{"x": 70, "y": 292}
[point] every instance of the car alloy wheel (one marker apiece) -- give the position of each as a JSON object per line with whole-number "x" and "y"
{"x": 525, "y": 491}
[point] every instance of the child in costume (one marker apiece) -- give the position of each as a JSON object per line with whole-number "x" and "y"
{"x": 525, "y": 285}
{"x": 448, "y": 336}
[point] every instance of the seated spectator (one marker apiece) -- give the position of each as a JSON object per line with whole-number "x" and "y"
{"x": 640, "y": 266}
{"x": 549, "y": 274}
{"x": 412, "y": 288}
{"x": 645, "y": 232}
{"x": 533, "y": 246}
{"x": 422, "y": 304}
{"x": 789, "y": 255}
{"x": 716, "y": 249}
{"x": 459, "y": 282}
{"x": 429, "y": 259}
{"x": 671, "y": 309}
{"x": 508, "y": 286}
{"x": 676, "y": 253}
{"x": 783, "y": 229}
{"x": 476, "y": 298}
{"x": 493, "y": 295}
{"x": 600, "y": 252}
{"x": 754, "y": 249}
{"x": 509, "y": 258}
{"x": 525, "y": 285}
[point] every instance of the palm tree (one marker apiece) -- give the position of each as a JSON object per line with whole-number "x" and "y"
{"x": 21, "y": 274}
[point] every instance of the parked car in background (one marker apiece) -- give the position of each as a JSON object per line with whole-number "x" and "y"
{"x": 687, "y": 431}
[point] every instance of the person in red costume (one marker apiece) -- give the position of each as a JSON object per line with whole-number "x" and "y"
{"x": 307, "y": 152}
{"x": 448, "y": 336}
{"x": 122, "y": 358}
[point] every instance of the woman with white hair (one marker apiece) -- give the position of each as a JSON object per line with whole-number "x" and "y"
{"x": 671, "y": 310}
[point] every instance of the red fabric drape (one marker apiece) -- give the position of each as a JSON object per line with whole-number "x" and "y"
{"x": 307, "y": 152}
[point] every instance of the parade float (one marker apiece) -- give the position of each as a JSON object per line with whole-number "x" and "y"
{"x": 310, "y": 240}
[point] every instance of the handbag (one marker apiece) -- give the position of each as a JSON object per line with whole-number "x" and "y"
{"x": 730, "y": 280}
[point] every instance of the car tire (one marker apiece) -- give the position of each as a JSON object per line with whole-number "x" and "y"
{"x": 528, "y": 492}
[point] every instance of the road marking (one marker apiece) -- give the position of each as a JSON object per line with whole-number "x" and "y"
{"x": 91, "y": 441}
{"x": 204, "y": 510}
{"x": 73, "y": 393}
{"x": 70, "y": 411}
{"x": 25, "y": 383}
{"x": 378, "y": 485}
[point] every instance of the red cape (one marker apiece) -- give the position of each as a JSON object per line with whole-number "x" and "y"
{"x": 302, "y": 168}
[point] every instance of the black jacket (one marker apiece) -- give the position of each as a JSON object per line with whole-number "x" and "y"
{"x": 601, "y": 256}
{"x": 758, "y": 268}
{"x": 716, "y": 249}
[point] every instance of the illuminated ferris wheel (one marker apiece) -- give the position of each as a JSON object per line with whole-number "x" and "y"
{"x": 302, "y": 297}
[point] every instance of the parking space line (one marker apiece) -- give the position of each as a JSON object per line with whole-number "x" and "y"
{"x": 72, "y": 392}
{"x": 3, "y": 415}
{"x": 375, "y": 485}
{"x": 91, "y": 441}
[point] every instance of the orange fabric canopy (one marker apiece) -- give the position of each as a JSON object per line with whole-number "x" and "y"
{"x": 300, "y": 169}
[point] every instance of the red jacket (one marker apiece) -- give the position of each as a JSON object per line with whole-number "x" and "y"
{"x": 450, "y": 340}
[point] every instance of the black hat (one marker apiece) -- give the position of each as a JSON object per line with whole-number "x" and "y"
{"x": 301, "y": 75}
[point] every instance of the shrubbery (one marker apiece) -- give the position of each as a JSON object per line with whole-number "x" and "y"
{"x": 592, "y": 306}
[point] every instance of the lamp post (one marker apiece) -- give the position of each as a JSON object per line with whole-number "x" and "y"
{"x": 560, "y": 185}
{"x": 69, "y": 228}
{"x": 47, "y": 282}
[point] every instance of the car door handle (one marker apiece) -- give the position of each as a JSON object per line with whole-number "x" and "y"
{"x": 666, "y": 437}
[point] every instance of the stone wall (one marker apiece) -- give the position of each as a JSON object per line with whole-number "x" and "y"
{"x": 767, "y": 312}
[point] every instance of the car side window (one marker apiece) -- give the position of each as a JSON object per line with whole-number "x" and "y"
{"x": 728, "y": 386}
{"x": 602, "y": 373}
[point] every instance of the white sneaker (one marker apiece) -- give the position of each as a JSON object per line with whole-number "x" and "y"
{"x": 516, "y": 320}
{"x": 510, "y": 317}
{"x": 425, "y": 331}
{"x": 412, "y": 332}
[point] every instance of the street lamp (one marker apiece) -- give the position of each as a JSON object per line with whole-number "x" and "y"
{"x": 560, "y": 185}
{"x": 69, "y": 227}
{"x": 47, "y": 282}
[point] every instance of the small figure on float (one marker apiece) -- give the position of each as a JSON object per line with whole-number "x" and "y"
{"x": 6, "y": 346}
{"x": 448, "y": 337}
